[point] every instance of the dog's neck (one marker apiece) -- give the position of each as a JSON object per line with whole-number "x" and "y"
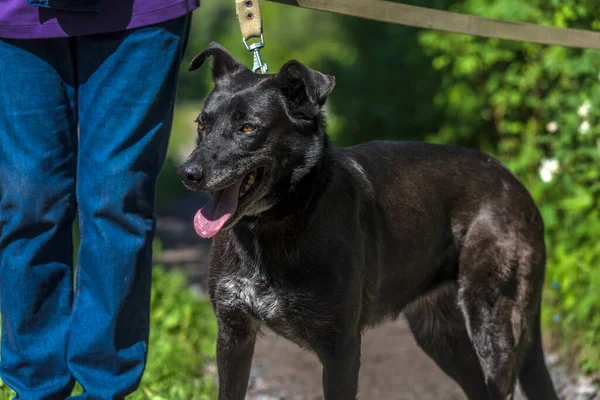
{"x": 299, "y": 194}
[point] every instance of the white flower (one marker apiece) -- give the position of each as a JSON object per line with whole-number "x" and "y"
{"x": 552, "y": 126}
{"x": 584, "y": 109}
{"x": 548, "y": 167}
{"x": 584, "y": 128}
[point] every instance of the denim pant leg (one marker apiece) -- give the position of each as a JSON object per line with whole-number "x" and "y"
{"x": 127, "y": 83}
{"x": 38, "y": 141}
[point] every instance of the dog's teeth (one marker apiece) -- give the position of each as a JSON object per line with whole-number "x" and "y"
{"x": 249, "y": 183}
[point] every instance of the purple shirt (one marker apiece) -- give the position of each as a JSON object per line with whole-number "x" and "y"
{"x": 19, "y": 20}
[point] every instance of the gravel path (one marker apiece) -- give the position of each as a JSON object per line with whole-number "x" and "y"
{"x": 392, "y": 365}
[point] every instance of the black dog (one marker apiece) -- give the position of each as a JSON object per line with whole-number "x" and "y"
{"x": 318, "y": 243}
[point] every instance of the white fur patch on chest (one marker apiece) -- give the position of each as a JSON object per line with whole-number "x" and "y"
{"x": 252, "y": 294}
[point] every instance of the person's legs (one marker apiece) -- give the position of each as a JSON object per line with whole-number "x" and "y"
{"x": 38, "y": 142}
{"x": 127, "y": 83}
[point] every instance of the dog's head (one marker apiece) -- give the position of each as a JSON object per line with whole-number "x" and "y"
{"x": 255, "y": 132}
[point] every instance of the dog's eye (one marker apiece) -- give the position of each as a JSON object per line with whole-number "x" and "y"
{"x": 200, "y": 127}
{"x": 247, "y": 128}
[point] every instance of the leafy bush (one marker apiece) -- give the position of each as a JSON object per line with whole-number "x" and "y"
{"x": 537, "y": 108}
{"x": 182, "y": 341}
{"x": 182, "y": 338}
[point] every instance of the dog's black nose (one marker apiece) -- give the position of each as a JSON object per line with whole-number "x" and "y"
{"x": 190, "y": 173}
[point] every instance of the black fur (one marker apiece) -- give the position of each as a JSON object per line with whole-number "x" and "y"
{"x": 334, "y": 240}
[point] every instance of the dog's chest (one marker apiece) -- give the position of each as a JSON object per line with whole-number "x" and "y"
{"x": 253, "y": 294}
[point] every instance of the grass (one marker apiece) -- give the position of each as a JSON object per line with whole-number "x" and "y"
{"x": 182, "y": 342}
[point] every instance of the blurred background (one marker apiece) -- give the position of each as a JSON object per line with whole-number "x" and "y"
{"x": 534, "y": 107}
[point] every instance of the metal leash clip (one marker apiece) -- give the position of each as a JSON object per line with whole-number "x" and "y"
{"x": 257, "y": 65}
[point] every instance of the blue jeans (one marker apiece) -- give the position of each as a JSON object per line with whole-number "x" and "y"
{"x": 119, "y": 90}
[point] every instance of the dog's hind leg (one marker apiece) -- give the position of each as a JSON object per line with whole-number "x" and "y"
{"x": 439, "y": 329}
{"x": 534, "y": 377}
{"x": 494, "y": 337}
{"x": 500, "y": 278}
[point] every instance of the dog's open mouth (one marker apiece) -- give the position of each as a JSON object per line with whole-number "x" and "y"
{"x": 212, "y": 217}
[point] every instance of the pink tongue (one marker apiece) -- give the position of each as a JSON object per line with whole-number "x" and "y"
{"x": 210, "y": 219}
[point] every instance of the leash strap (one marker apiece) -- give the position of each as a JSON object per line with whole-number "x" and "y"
{"x": 421, "y": 17}
{"x": 250, "y": 19}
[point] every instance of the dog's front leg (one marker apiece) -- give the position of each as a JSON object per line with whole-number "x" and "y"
{"x": 235, "y": 348}
{"x": 341, "y": 362}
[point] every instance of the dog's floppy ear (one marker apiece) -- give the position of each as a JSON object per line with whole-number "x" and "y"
{"x": 223, "y": 62}
{"x": 304, "y": 86}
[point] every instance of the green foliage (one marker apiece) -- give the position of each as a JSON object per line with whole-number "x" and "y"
{"x": 5, "y": 392}
{"x": 538, "y": 109}
{"x": 182, "y": 341}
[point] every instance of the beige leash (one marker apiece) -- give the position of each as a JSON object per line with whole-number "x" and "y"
{"x": 249, "y": 17}
{"x": 447, "y": 21}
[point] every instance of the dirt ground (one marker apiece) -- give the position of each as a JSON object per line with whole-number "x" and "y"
{"x": 392, "y": 367}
